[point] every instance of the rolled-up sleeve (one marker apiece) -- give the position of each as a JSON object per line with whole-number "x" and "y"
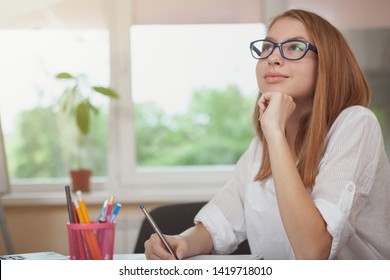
{"x": 346, "y": 172}
{"x": 222, "y": 231}
{"x": 336, "y": 216}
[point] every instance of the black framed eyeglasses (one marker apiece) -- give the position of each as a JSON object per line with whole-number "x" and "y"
{"x": 291, "y": 49}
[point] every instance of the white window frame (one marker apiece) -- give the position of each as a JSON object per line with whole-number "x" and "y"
{"x": 186, "y": 183}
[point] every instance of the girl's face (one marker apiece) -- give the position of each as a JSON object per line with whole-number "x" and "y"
{"x": 293, "y": 77}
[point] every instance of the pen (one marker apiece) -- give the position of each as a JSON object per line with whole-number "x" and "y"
{"x": 157, "y": 230}
{"x": 69, "y": 204}
{"x": 115, "y": 212}
{"x": 109, "y": 207}
{"x": 103, "y": 212}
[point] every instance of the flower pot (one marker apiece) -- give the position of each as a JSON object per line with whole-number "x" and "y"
{"x": 80, "y": 179}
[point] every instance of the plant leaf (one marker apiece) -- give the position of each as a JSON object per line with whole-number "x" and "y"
{"x": 106, "y": 91}
{"x": 93, "y": 109}
{"x": 64, "y": 75}
{"x": 82, "y": 117}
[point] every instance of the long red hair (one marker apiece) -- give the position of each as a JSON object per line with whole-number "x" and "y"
{"x": 340, "y": 84}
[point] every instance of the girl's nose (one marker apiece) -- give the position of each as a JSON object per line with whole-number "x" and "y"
{"x": 276, "y": 57}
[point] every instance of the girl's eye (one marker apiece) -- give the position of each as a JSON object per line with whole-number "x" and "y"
{"x": 267, "y": 47}
{"x": 297, "y": 47}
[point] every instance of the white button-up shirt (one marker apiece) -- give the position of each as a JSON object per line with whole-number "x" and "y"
{"x": 351, "y": 191}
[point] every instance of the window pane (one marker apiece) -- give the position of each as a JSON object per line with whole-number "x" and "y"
{"x": 39, "y": 142}
{"x": 194, "y": 88}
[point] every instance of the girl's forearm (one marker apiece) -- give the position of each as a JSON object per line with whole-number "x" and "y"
{"x": 304, "y": 225}
{"x": 199, "y": 240}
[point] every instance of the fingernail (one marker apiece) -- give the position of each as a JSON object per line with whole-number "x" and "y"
{"x": 179, "y": 255}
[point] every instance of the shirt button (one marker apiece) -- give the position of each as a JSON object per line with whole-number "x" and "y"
{"x": 350, "y": 188}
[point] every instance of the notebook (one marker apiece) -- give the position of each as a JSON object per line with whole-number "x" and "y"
{"x": 35, "y": 256}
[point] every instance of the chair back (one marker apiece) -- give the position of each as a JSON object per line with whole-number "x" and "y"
{"x": 174, "y": 219}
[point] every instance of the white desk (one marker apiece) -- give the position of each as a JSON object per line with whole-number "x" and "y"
{"x": 201, "y": 257}
{"x": 56, "y": 256}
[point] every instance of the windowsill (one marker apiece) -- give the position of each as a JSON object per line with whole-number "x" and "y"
{"x": 124, "y": 196}
{"x": 144, "y": 186}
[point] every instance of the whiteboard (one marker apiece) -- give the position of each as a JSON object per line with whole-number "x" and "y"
{"x": 4, "y": 180}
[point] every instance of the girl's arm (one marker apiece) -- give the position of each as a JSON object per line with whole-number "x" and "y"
{"x": 194, "y": 241}
{"x": 304, "y": 225}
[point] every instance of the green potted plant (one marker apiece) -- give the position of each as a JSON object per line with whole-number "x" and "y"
{"x": 76, "y": 102}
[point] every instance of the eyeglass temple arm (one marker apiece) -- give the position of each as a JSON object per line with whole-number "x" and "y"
{"x": 256, "y": 50}
{"x": 312, "y": 48}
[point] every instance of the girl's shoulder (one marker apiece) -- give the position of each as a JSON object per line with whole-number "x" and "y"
{"x": 355, "y": 122}
{"x": 356, "y": 112}
{"x": 353, "y": 117}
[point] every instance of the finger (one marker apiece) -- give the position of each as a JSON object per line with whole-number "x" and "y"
{"x": 264, "y": 100}
{"x": 155, "y": 249}
{"x": 260, "y": 114}
{"x": 160, "y": 250}
{"x": 158, "y": 253}
{"x": 180, "y": 254}
{"x": 261, "y": 100}
{"x": 262, "y": 103}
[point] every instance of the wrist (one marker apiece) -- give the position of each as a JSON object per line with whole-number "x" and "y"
{"x": 274, "y": 135}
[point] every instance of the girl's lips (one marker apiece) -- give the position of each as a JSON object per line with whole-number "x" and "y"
{"x": 273, "y": 77}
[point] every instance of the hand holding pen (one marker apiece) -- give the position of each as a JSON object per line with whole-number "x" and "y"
{"x": 158, "y": 231}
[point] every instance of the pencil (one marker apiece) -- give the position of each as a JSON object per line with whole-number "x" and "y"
{"x": 89, "y": 234}
{"x": 83, "y": 207}
{"x": 69, "y": 204}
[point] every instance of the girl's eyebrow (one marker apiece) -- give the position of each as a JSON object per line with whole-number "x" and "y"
{"x": 292, "y": 38}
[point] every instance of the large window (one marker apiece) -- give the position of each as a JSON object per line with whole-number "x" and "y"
{"x": 194, "y": 89}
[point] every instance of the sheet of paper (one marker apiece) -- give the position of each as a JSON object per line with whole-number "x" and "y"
{"x": 200, "y": 257}
{"x": 226, "y": 257}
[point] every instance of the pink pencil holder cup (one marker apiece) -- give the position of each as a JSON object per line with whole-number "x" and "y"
{"x": 94, "y": 241}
